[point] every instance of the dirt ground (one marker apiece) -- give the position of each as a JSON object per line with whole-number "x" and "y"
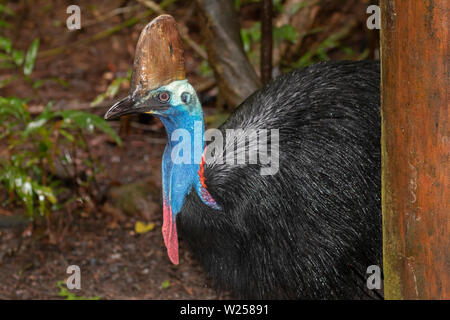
{"x": 115, "y": 261}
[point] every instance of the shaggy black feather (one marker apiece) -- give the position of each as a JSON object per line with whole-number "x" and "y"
{"x": 311, "y": 230}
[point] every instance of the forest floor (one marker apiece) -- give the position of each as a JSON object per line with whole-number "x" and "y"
{"x": 115, "y": 261}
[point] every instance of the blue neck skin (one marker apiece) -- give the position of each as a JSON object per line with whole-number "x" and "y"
{"x": 180, "y": 178}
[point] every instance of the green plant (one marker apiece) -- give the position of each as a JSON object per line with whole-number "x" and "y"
{"x": 252, "y": 35}
{"x": 33, "y": 146}
{"x": 20, "y": 62}
{"x": 205, "y": 69}
{"x": 5, "y": 11}
{"x": 165, "y": 284}
{"x": 285, "y": 33}
{"x": 10, "y": 57}
{"x": 23, "y": 62}
{"x": 65, "y": 293}
{"x": 321, "y": 51}
{"x": 13, "y": 58}
{"x": 112, "y": 89}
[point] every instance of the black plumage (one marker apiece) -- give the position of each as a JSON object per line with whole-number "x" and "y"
{"x": 311, "y": 230}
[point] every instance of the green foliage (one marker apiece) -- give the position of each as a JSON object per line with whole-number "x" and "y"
{"x": 252, "y": 35}
{"x": 317, "y": 54}
{"x": 5, "y": 12}
{"x": 286, "y": 39}
{"x": 12, "y": 58}
{"x": 239, "y": 3}
{"x": 320, "y": 52}
{"x": 34, "y": 145}
{"x": 165, "y": 284}
{"x": 112, "y": 89}
{"x": 285, "y": 33}
{"x": 15, "y": 180}
{"x": 65, "y": 293}
{"x": 205, "y": 69}
{"x": 21, "y": 62}
{"x": 31, "y": 57}
{"x": 4, "y": 9}
{"x": 295, "y": 7}
{"x": 277, "y": 5}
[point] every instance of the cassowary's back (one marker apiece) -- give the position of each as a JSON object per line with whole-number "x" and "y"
{"x": 312, "y": 229}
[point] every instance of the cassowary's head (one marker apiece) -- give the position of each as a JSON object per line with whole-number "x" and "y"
{"x": 159, "y": 87}
{"x": 158, "y": 84}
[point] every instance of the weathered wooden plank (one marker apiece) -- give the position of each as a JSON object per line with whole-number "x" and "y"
{"x": 416, "y": 148}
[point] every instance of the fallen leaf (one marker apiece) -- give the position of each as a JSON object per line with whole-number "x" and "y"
{"x": 141, "y": 227}
{"x": 165, "y": 284}
{"x": 28, "y": 231}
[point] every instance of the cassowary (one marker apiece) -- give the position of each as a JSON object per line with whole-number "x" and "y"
{"x": 308, "y": 231}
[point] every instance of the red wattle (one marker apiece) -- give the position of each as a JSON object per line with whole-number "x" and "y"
{"x": 169, "y": 230}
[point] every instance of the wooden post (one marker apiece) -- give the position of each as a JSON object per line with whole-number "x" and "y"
{"x": 415, "y": 148}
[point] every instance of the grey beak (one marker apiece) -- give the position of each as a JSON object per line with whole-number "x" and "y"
{"x": 135, "y": 105}
{"x": 121, "y": 108}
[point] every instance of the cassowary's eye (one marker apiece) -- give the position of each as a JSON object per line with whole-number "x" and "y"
{"x": 186, "y": 97}
{"x": 164, "y": 96}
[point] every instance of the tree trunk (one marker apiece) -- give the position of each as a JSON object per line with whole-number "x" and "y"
{"x": 235, "y": 74}
{"x": 267, "y": 41}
